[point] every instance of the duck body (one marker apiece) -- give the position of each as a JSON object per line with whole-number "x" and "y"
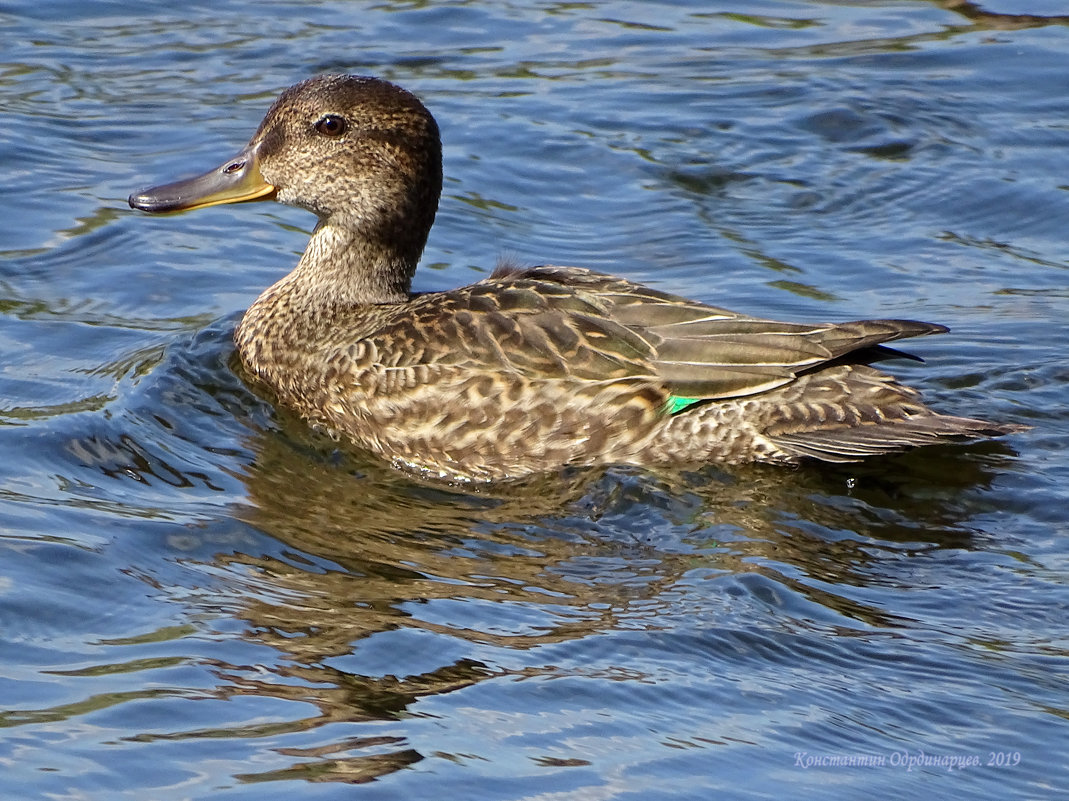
{"x": 532, "y": 368}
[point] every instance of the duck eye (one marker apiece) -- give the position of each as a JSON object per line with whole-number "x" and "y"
{"x": 331, "y": 125}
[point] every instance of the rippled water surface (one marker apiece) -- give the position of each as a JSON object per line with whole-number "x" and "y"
{"x": 200, "y": 599}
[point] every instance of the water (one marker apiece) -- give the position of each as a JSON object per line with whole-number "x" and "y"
{"x": 199, "y": 599}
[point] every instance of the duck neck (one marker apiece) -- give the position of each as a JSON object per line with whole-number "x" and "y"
{"x": 342, "y": 268}
{"x": 341, "y": 271}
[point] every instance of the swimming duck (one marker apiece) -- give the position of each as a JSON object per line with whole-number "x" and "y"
{"x": 531, "y": 368}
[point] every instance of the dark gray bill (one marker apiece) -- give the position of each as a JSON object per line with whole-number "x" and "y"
{"x": 237, "y": 181}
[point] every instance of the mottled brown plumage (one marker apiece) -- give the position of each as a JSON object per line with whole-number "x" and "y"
{"x": 529, "y": 369}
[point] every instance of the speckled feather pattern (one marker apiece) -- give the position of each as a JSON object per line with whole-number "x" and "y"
{"x": 549, "y": 366}
{"x": 531, "y": 369}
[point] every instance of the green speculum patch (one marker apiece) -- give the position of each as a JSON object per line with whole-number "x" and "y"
{"x": 676, "y": 404}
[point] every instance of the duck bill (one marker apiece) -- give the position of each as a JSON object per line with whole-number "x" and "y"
{"x": 237, "y": 181}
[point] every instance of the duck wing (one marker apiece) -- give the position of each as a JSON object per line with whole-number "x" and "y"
{"x": 578, "y": 328}
{"x": 704, "y": 352}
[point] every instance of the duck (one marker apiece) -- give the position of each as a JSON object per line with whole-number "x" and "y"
{"x": 534, "y": 368}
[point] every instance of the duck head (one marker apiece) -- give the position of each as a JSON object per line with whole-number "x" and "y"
{"x": 361, "y": 153}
